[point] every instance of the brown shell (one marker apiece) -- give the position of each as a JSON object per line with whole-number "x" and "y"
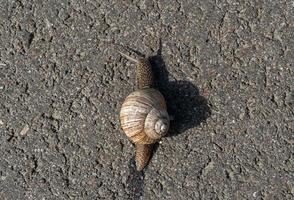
{"x": 134, "y": 110}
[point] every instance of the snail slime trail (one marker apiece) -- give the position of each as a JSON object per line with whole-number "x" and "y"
{"x": 143, "y": 115}
{"x": 135, "y": 181}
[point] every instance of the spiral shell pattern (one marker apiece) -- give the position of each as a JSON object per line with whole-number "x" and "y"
{"x": 143, "y": 116}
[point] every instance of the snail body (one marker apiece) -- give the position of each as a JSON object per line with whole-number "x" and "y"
{"x": 143, "y": 115}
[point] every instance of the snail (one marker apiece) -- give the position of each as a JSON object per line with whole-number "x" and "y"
{"x": 143, "y": 115}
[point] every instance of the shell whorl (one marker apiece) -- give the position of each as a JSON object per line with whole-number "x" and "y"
{"x": 156, "y": 123}
{"x": 143, "y": 116}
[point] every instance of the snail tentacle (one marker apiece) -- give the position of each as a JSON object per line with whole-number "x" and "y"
{"x": 128, "y": 57}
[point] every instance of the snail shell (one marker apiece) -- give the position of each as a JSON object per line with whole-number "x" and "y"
{"x": 143, "y": 116}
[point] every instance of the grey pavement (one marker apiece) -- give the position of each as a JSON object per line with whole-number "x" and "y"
{"x": 226, "y": 69}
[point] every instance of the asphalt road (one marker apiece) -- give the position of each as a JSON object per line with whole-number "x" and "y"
{"x": 226, "y": 69}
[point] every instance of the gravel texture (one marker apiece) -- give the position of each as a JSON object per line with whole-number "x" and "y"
{"x": 226, "y": 69}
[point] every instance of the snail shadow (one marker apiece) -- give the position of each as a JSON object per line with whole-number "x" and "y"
{"x": 184, "y": 102}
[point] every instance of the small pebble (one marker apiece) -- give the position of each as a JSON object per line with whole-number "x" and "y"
{"x": 56, "y": 115}
{"x": 24, "y": 130}
{"x": 255, "y": 194}
{"x": 208, "y": 168}
{"x": 290, "y": 97}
